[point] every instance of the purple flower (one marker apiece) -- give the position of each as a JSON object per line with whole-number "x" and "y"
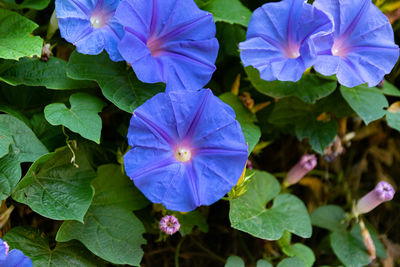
{"x": 298, "y": 171}
{"x": 169, "y": 41}
{"x": 13, "y": 258}
{"x": 381, "y": 193}
{"x": 187, "y": 149}
{"x": 169, "y": 224}
{"x": 280, "y": 39}
{"x": 362, "y": 48}
{"x": 90, "y": 25}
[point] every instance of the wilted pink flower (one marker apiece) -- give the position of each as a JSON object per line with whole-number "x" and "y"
{"x": 298, "y": 171}
{"x": 382, "y": 192}
{"x": 169, "y": 224}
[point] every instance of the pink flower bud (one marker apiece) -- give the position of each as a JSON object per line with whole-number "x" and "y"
{"x": 382, "y": 192}
{"x": 169, "y": 224}
{"x": 298, "y": 171}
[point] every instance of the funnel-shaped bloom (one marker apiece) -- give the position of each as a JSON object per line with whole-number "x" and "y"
{"x": 280, "y": 39}
{"x": 169, "y": 224}
{"x": 363, "y": 48}
{"x": 298, "y": 171}
{"x": 187, "y": 149}
{"x": 13, "y": 258}
{"x": 382, "y": 192}
{"x": 90, "y": 25}
{"x": 170, "y": 41}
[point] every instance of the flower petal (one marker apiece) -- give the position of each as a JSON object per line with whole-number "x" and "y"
{"x": 74, "y": 8}
{"x": 16, "y": 258}
{"x": 91, "y": 44}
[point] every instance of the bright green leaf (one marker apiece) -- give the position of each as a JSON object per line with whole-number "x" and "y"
{"x": 191, "y": 219}
{"x": 302, "y": 252}
{"x": 34, "y": 72}
{"x": 319, "y": 134}
{"x": 5, "y": 142}
{"x": 368, "y": 103}
{"x": 34, "y": 4}
{"x": 390, "y": 89}
{"x": 329, "y": 217}
{"x": 55, "y": 188}
{"x": 347, "y": 249}
{"x": 230, "y": 11}
{"x": 393, "y": 116}
{"x": 81, "y": 118}
{"x": 249, "y": 213}
{"x": 252, "y": 132}
{"x": 309, "y": 88}
{"x": 118, "y": 82}
{"x": 16, "y": 40}
{"x": 110, "y": 229}
{"x": 234, "y": 261}
{"x": 25, "y": 145}
{"x": 10, "y": 173}
{"x": 291, "y": 262}
{"x": 35, "y": 245}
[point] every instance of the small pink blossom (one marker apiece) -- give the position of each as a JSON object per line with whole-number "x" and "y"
{"x": 169, "y": 224}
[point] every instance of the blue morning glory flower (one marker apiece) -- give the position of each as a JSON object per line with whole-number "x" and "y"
{"x": 362, "y": 49}
{"x": 187, "y": 149}
{"x": 170, "y": 41}
{"x": 280, "y": 39}
{"x": 13, "y": 258}
{"x": 90, "y": 25}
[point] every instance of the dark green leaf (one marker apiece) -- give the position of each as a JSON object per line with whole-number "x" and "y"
{"x": 10, "y": 173}
{"x": 329, "y": 217}
{"x": 319, "y": 134}
{"x": 81, "y": 118}
{"x": 252, "y": 132}
{"x": 34, "y": 4}
{"x": 55, "y": 188}
{"x": 379, "y": 247}
{"x": 25, "y": 145}
{"x": 368, "y": 103}
{"x": 16, "y": 40}
{"x": 348, "y": 249}
{"x": 35, "y": 245}
{"x": 34, "y": 72}
{"x": 393, "y": 119}
{"x": 118, "y": 82}
{"x": 230, "y": 11}
{"x": 390, "y": 89}
{"x": 249, "y": 213}
{"x": 309, "y": 88}
{"x": 191, "y": 219}
{"x": 234, "y": 261}
{"x": 110, "y": 229}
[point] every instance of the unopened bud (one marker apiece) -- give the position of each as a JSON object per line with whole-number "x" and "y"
{"x": 382, "y": 192}
{"x": 169, "y": 224}
{"x": 298, "y": 171}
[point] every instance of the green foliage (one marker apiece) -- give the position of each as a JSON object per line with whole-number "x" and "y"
{"x": 34, "y": 4}
{"x": 190, "y": 220}
{"x": 263, "y": 263}
{"x": 110, "y": 230}
{"x": 34, "y": 72}
{"x": 309, "y": 89}
{"x": 291, "y": 262}
{"x": 116, "y": 80}
{"x": 19, "y": 139}
{"x": 329, "y": 217}
{"x": 10, "y": 173}
{"x": 249, "y": 213}
{"x": 35, "y": 245}
{"x": 368, "y": 103}
{"x": 234, "y": 261}
{"x": 230, "y": 11}
{"x": 300, "y": 251}
{"x": 55, "y": 188}
{"x": 17, "y": 42}
{"x": 81, "y": 118}
{"x": 246, "y": 119}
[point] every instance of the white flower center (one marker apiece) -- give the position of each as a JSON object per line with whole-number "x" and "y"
{"x": 96, "y": 22}
{"x": 183, "y": 154}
